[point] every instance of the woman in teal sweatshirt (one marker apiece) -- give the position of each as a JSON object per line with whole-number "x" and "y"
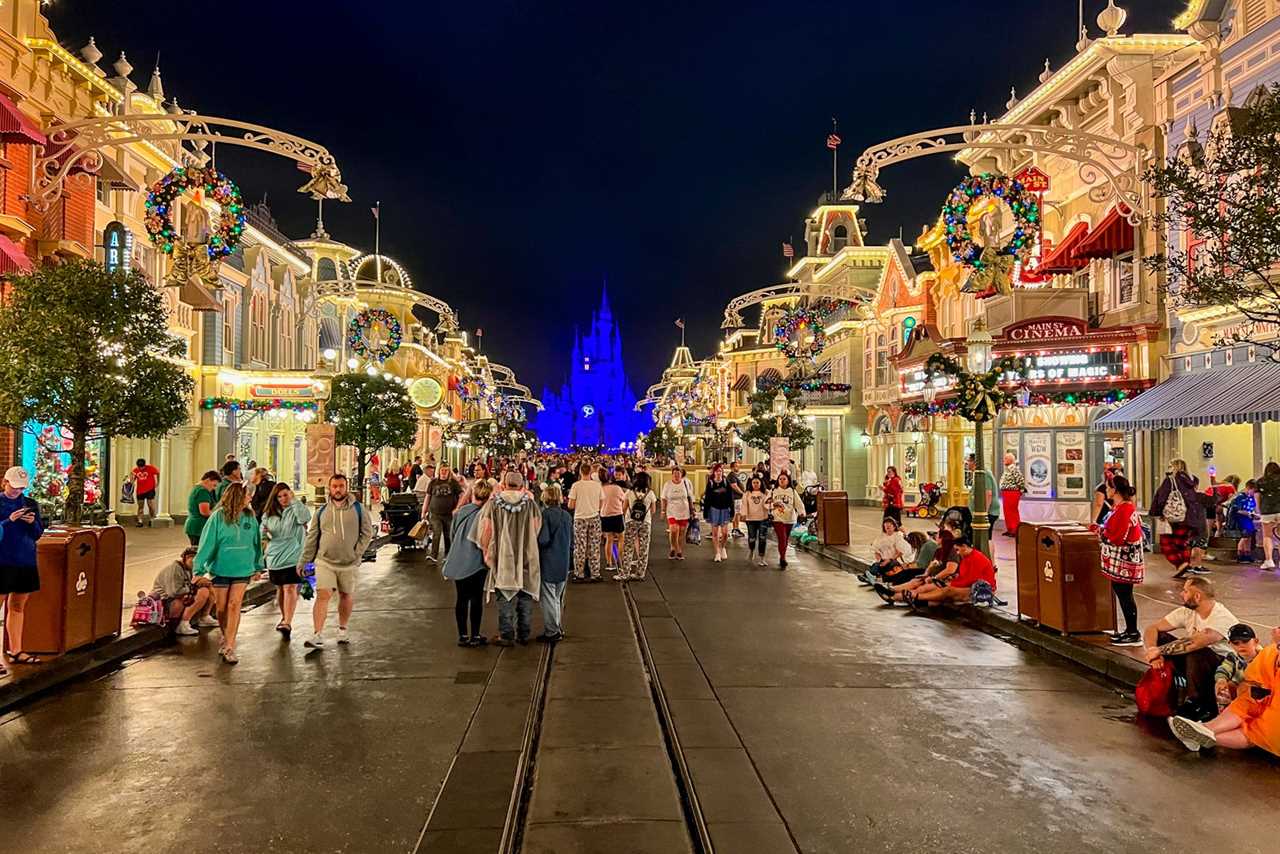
{"x": 231, "y": 552}
{"x": 284, "y": 526}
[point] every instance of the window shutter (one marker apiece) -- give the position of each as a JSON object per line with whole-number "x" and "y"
{"x": 1254, "y": 13}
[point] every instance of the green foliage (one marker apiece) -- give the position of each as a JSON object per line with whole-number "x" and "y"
{"x": 1226, "y": 192}
{"x": 764, "y": 425}
{"x": 661, "y": 441}
{"x": 979, "y": 396}
{"x": 502, "y": 443}
{"x": 89, "y": 349}
{"x": 370, "y": 413}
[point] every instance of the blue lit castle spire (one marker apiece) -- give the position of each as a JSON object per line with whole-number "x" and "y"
{"x": 596, "y": 405}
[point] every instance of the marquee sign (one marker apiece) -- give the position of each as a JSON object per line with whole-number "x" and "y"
{"x": 282, "y": 391}
{"x": 1075, "y": 365}
{"x": 1045, "y": 329}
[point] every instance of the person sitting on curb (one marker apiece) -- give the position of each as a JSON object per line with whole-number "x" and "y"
{"x": 972, "y": 568}
{"x": 1252, "y": 719}
{"x": 186, "y": 598}
{"x": 892, "y": 550}
{"x": 1205, "y": 623}
{"x": 941, "y": 564}
{"x": 1230, "y": 673}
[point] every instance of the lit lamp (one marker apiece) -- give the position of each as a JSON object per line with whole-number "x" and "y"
{"x": 978, "y": 348}
{"x": 779, "y": 410}
{"x": 865, "y": 438}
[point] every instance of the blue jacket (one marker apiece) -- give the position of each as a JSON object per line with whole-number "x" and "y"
{"x": 465, "y": 558}
{"x": 18, "y": 546}
{"x": 555, "y": 544}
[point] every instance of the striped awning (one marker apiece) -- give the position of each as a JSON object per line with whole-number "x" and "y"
{"x": 768, "y": 377}
{"x": 742, "y": 383}
{"x": 1239, "y": 395}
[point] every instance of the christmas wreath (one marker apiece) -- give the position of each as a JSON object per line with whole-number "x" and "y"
{"x": 363, "y": 337}
{"x": 991, "y": 263}
{"x": 978, "y": 396}
{"x": 202, "y": 182}
{"x": 796, "y": 322}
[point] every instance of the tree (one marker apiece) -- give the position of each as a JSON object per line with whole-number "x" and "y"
{"x": 370, "y": 412}
{"x": 503, "y": 443}
{"x": 1225, "y": 197}
{"x": 764, "y": 424}
{"x": 88, "y": 348}
{"x": 661, "y": 442}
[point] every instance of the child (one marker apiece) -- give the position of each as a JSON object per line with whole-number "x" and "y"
{"x": 1241, "y": 516}
{"x": 185, "y": 597}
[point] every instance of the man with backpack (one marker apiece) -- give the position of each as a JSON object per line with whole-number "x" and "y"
{"x": 340, "y": 533}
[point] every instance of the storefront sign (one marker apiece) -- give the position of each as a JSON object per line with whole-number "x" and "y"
{"x": 1071, "y": 470}
{"x": 1033, "y": 179}
{"x": 282, "y": 391}
{"x": 322, "y": 453}
{"x": 1045, "y": 329}
{"x": 1038, "y": 466}
{"x": 1077, "y": 365}
{"x": 914, "y": 381}
{"x": 779, "y": 456}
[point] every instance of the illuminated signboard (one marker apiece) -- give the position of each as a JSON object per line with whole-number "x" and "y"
{"x": 1079, "y": 365}
{"x": 913, "y": 382}
{"x": 283, "y": 391}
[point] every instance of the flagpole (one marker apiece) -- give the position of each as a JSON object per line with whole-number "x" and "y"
{"x": 377, "y": 239}
{"x": 835, "y": 154}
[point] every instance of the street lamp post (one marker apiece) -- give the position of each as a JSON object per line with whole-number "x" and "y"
{"x": 779, "y": 410}
{"x": 978, "y": 355}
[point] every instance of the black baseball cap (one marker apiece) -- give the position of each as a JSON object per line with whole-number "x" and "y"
{"x": 1241, "y": 632}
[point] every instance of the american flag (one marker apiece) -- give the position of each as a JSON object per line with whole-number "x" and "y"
{"x": 833, "y": 141}
{"x": 375, "y": 212}
{"x": 788, "y": 251}
{"x": 680, "y": 323}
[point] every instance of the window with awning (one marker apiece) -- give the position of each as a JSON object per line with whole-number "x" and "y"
{"x": 1113, "y": 236}
{"x": 15, "y": 127}
{"x": 1063, "y": 258}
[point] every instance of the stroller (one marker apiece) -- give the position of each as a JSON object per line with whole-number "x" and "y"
{"x": 930, "y": 497}
{"x": 809, "y": 498}
{"x": 402, "y": 512}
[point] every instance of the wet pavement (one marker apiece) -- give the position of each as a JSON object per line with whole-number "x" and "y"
{"x": 810, "y": 718}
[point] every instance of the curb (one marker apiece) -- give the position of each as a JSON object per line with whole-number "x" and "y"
{"x": 99, "y": 658}
{"x": 1113, "y": 666}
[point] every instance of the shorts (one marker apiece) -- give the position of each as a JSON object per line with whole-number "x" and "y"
{"x": 227, "y": 581}
{"x": 611, "y": 524}
{"x": 718, "y": 516}
{"x": 147, "y": 496}
{"x": 677, "y": 523}
{"x": 1270, "y": 518}
{"x": 342, "y": 580}
{"x": 19, "y": 579}
{"x": 737, "y": 507}
{"x": 287, "y": 575}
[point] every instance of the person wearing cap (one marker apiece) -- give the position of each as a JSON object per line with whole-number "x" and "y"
{"x": 1252, "y": 719}
{"x": 20, "y": 527}
{"x": 1230, "y": 673}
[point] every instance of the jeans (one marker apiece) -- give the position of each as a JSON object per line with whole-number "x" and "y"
{"x": 757, "y": 535}
{"x": 551, "y": 598}
{"x": 440, "y": 532}
{"x": 1198, "y": 669}
{"x": 470, "y": 601}
{"x": 515, "y": 615}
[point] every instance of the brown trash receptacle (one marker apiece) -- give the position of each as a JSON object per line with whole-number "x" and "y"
{"x": 108, "y": 597}
{"x": 1029, "y": 565}
{"x": 60, "y": 614}
{"x": 833, "y": 518}
{"x": 1075, "y": 597}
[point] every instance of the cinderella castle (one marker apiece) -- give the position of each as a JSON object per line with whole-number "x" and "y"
{"x": 596, "y": 406}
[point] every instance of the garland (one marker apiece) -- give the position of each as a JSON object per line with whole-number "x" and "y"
{"x": 161, "y": 196}
{"x": 955, "y": 212}
{"x": 978, "y": 396}
{"x": 363, "y": 323}
{"x": 952, "y": 406}
{"x": 811, "y": 386}
{"x": 798, "y": 319}
{"x": 235, "y": 404}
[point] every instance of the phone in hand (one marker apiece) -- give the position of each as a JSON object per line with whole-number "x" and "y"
{"x": 1213, "y": 471}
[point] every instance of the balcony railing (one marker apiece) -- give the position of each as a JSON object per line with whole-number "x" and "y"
{"x": 825, "y": 398}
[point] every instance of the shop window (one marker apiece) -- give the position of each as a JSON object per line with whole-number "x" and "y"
{"x": 326, "y": 270}
{"x": 884, "y": 370}
{"x": 1123, "y": 287}
{"x": 102, "y": 190}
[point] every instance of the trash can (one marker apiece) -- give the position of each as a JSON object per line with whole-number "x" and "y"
{"x": 60, "y": 615}
{"x": 1074, "y": 595}
{"x": 108, "y": 596}
{"x": 833, "y": 518}
{"x": 1029, "y": 566}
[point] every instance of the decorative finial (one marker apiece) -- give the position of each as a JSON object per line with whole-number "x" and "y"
{"x": 1084, "y": 41}
{"x": 1112, "y": 18}
{"x": 985, "y": 119}
{"x": 973, "y": 116}
{"x": 173, "y": 108}
{"x": 90, "y": 53}
{"x": 156, "y": 88}
{"x": 1013, "y": 99}
{"x": 1047, "y": 73}
{"x": 122, "y": 66}
{"x": 1193, "y": 132}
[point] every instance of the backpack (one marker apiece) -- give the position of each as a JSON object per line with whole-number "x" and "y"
{"x": 149, "y": 611}
{"x": 359, "y": 513}
{"x": 1175, "y": 506}
{"x": 639, "y": 509}
{"x": 126, "y": 492}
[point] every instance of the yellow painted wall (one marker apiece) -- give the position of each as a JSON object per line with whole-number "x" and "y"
{"x": 1232, "y": 450}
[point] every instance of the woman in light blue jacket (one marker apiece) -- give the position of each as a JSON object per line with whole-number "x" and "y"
{"x": 284, "y": 525}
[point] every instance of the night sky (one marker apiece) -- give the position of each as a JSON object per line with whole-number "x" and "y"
{"x": 524, "y": 152}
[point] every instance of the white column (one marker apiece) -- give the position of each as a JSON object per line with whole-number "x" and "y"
{"x": 163, "y": 519}
{"x": 1259, "y": 458}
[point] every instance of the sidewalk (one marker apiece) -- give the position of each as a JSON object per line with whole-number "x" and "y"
{"x": 1248, "y": 592}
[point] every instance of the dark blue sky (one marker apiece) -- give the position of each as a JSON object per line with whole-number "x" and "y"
{"x": 524, "y": 151}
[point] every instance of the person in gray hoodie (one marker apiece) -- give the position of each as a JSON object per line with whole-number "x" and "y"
{"x": 336, "y": 542}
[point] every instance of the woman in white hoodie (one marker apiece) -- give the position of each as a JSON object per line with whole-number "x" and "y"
{"x": 892, "y": 549}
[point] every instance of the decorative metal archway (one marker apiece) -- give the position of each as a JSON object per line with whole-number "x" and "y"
{"x": 1104, "y": 162}
{"x": 790, "y": 290}
{"x": 78, "y": 145}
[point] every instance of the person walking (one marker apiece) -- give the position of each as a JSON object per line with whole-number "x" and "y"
{"x": 638, "y": 530}
{"x": 555, "y": 551}
{"x": 717, "y": 504}
{"x": 20, "y": 527}
{"x": 443, "y": 494}
{"x": 507, "y": 533}
{"x": 261, "y": 483}
{"x": 788, "y": 508}
{"x": 230, "y": 552}
{"x": 284, "y": 527}
{"x": 739, "y": 486}
{"x": 677, "y": 507}
{"x": 146, "y": 481}
{"x": 1122, "y": 557}
{"x": 613, "y": 503}
{"x": 755, "y": 510}
{"x": 1177, "y": 501}
{"x": 1012, "y": 487}
{"x": 415, "y": 472}
{"x": 1269, "y": 510}
{"x": 464, "y": 566}
{"x": 200, "y": 504}
{"x": 336, "y": 541}
{"x": 231, "y": 473}
{"x": 892, "y": 494}
{"x": 585, "y": 499}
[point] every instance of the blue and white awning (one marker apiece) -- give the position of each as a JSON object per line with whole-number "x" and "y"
{"x": 1239, "y": 395}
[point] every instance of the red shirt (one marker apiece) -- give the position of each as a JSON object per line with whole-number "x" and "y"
{"x": 893, "y": 492}
{"x": 146, "y": 478}
{"x": 1120, "y": 528}
{"x": 974, "y": 567}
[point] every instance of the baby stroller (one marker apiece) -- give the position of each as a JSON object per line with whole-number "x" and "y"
{"x": 402, "y": 512}
{"x": 809, "y": 498}
{"x": 930, "y": 496}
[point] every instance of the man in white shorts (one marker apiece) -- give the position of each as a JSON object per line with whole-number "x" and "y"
{"x": 336, "y": 541}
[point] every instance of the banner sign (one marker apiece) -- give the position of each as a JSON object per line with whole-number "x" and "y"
{"x": 322, "y": 453}
{"x": 779, "y": 456}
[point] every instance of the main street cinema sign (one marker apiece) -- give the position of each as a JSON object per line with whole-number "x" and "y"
{"x": 1045, "y": 329}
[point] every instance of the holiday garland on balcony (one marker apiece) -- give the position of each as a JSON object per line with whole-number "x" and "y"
{"x": 235, "y": 404}
{"x": 202, "y": 181}
{"x": 1109, "y": 397}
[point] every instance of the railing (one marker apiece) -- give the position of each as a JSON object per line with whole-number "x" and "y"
{"x": 825, "y": 398}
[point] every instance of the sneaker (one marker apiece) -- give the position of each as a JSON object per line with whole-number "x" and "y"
{"x": 463, "y": 640}
{"x": 1268, "y": 564}
{"x": 186, "y": 629}
{"x": 1198, "y": 570}
{"x": 1194, "y": 735}
{"x": 867, "y": 578}
{"x": 620, "y": 577}
{"x": 315, "y": 641}
{"x": 680, "y": 556}
{"x": 762, "y": 561}
{"x": 503, "y": 641}
{"x": 478, "y": 640}
{"x": 1126, "y": 639}
{"x": 716, "y": 559}
{"x": 206, "y": 622}
{"x": 343, "y": 635}
{"x": 430, "y": 559}
{"x": 548, "y": 638}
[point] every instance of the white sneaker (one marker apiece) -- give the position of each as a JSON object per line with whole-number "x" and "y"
{"x": 1268, "y": 564}
{"x": 206, "y": 622}
{"x": 1193, "y": 734}
{"x": 343, "y": 635}
{"x": 315, "y": 641}
{"x": 185, "y": 628}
